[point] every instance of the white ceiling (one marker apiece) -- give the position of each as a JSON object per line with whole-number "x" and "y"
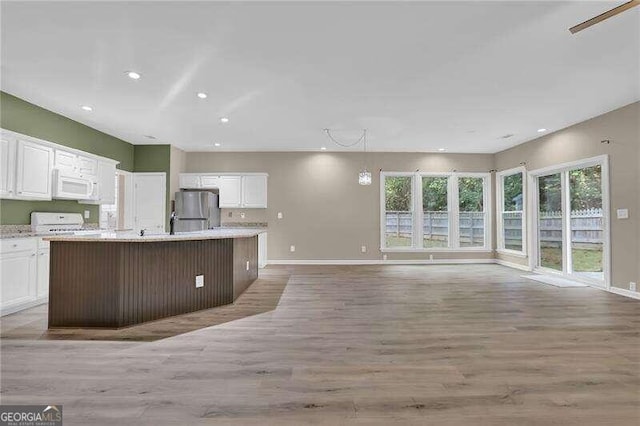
{"x": 418, "y": 75}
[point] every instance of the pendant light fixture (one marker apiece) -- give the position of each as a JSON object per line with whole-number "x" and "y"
{"x": 364, "y": 176}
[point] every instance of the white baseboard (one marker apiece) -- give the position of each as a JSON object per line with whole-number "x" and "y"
{"x": 22, "y": 306}
{"x": 379, "y": 262}
{"x": 624, "y": 292}
{"x": 512, "y": 265}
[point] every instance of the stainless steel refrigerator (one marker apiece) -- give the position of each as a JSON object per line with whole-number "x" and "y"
{"x": 196, "y": 211}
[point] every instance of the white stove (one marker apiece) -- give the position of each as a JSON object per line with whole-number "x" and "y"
{"x": 57, "y": 223}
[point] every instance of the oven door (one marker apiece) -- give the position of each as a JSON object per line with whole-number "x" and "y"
{"x": 68, "y": 187}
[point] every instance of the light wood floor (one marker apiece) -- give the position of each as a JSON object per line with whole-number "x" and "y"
{"x": 423, "y": 345}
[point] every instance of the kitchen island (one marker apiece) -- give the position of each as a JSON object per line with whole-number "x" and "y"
{"x": 114, "y": 280}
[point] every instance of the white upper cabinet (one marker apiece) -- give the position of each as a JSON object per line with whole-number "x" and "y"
{"x": 34, "y": 166}
{"x": 7, "y": 166}
{"x": 254, "y": 191}
{"x": 189, "y": 181}
{"x": 237, "y": 190}
{"x": 70, "y": 163}
{"x": 106, "y": 182}
{"x": 209, "y": 182}
{"x": 230, "y": 191}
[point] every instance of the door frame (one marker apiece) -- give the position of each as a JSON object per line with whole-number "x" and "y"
{"x": 533, "y": 192}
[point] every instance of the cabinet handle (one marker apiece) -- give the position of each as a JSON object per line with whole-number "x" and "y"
{"x": 15, "y": 245}
{"x": 33, "y": 255}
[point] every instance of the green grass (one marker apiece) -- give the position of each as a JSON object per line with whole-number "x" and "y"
{"x": 394, "y": 241}
{"x": 583, "y": 260}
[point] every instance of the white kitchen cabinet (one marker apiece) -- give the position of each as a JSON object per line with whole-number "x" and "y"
{"x": 87, "y": 166}
{"x": 189, "y": 181}
{"x": 209, "y": 182}
{"x": 7, "y": 166}
{"x": 42, "y": 263}
{"x": 262, "y": 250}
{"x": 18, "y": 272}
{"x": 106, "y": 182}
{"x": 34, "y": 166}
{"x": 230, "y": 191}
{"x": 72, "y": 164}
{"x": 254, "y": 191}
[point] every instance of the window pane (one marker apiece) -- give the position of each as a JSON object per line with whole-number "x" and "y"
{"x": 435, "y": 222}
{"x": 398, "y": 212}
{"x": 512, "y": 225}
{"x": 471, "y": 219}
{"x": 512, "y": 192}
{"x": 550, "y": 221}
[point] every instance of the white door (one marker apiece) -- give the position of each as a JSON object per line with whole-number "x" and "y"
{"x": 254, "y": 191}
{"x": 149, "y": 202}
{"x": 209, "y": 182}
{"x": 35, "y": 163}
{"x": 87, "y": 166}
{"x": 7, "y": 166}
{"x": 189, "y": 181}
{"x": 230, "y": 191}
{"x": 18, "y": 271}
{"x": 66, "y": 162}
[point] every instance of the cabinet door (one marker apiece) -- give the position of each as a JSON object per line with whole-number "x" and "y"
{"x": 66, "y": 162}
{"x": 87, "y": 166}
{"x": 210, "y": 182}
{"x": 230, "y": 191}
{"x": 42, "y": 287}
{"x": 106, "y": 182}
{"x": 18, "y": 274}
{"x": 7, "y": 166}
{"x": 262, "y": 250}
{"x": 189, "y": 181}
{"x": 254, "y": 191}
{"x": 35, "y": 163}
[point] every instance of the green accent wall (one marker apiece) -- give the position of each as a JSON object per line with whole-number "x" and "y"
{"x": 155, "y": 158}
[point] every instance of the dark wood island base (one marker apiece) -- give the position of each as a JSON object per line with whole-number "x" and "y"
{"x": 113, "y": 284}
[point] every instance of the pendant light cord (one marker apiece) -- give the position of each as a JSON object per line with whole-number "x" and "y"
{"x": 347, "y": 145}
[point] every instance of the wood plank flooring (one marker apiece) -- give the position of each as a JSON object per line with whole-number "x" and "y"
{"x": 414, "y": 345}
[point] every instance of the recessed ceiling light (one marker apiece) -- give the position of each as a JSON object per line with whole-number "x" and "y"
{"x": 86, "y": 108}
{"x": 224, "y": 120}
{"x": 441, "y": 149}
{"x": 133, "y": 75}
{"x": 217, "y": 144}
{"x": 542, "y": 130}
{"x": 324, "y": 148}
{"x": 202, "y": 95}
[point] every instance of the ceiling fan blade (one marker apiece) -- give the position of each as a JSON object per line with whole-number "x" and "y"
{"x": 606, "y": 15}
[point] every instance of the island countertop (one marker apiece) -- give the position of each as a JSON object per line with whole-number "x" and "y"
{"x": 133, "y": 237}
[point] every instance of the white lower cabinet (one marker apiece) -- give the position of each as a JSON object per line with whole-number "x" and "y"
{"x": 262, "y": 250}
{"x": 42, "y": 286}
{"x": 18, "y": 270}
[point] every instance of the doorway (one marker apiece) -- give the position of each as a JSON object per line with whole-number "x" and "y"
{"x": 571, "y": 226}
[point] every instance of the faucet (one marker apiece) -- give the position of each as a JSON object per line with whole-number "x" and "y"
{"x": 172, "y": 222}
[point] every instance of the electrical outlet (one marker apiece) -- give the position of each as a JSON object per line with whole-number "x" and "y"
{"x": 242, "y": 215}
{"x": 363, "y": 249}
{"x": 247, "y": 265}
{"x": 230, "y": 214}
{"x": 384, "y": 257}
{"x": 292, "y": 248}
{"x": 199, "y": 281}
{"x": 87, "y": 214}
{"x": 280, "y": 215}
{"x": 632, "y": 286}
{"x": 430, "y": 257}
{"x": 622, "y": 213}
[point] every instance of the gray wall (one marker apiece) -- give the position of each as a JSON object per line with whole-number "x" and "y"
{"x": 581, "y": 141}
{"x": 327, "y": 215}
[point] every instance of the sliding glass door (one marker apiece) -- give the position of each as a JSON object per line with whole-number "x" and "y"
{"x": 571, "y": 225}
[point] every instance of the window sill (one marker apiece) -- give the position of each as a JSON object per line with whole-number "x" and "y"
{"x": 437, "y": 250}
{"x": 512, "y": 253}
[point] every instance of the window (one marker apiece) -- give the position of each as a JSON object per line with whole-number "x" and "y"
{"x": 511, "y": 207}
{"x": 398, "y": 211}
{"x": 419, "y": 211}
{"x": 435, "y": 211}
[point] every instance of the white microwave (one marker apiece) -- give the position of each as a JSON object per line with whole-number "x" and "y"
{"x": 71, "y": 187}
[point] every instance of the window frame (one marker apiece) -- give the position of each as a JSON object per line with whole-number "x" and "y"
{"x": 453, "y": 209}
{"x": 500, "y": 176}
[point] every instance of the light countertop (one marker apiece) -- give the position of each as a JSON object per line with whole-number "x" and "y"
{"x": 132, "y": 237}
